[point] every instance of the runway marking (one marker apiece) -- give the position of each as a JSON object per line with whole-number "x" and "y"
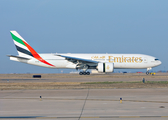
{"x": 91, "y": 100}
{"x": 34, "y": 117}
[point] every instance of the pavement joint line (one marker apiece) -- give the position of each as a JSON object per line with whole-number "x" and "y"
{"x": 21, "y": 117}
{"x": 92, "y": 100}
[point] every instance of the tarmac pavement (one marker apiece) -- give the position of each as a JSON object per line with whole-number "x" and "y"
{"x": 85, "y": 104}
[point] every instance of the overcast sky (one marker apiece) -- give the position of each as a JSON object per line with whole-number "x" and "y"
{"x": 84, "y": 26}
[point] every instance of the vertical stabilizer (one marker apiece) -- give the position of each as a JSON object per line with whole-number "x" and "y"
{"x": 25, "y": 50}
{"x": 20, "y": 44}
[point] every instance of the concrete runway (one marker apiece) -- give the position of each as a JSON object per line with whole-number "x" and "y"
{"x": 85, "y": 104}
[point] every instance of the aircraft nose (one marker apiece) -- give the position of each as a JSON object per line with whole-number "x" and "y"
{"x": 158, "y": 62}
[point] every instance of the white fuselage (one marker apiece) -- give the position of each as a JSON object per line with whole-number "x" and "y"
{"x": 121, "y": 61}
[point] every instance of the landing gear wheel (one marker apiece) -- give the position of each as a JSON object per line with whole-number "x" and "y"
{"x": 147, "y": 72}
{"x": 80, "y": 73}
{"x": 88, "y": 73}
{"x": 84, "y": 73}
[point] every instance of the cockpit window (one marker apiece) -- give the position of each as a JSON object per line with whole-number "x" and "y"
{"x": 156, "y": 59}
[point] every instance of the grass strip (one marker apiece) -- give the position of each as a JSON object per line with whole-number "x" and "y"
{"x": 157, "y": 82}
{"x": 146, "y": 82}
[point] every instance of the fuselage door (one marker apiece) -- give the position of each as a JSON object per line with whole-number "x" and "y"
{"x": 145, "y": 60}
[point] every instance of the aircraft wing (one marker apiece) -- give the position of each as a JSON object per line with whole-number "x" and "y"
{"x": 78, "y": 60}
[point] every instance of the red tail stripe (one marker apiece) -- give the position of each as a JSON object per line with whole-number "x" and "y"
{"x": 36, "y": 55}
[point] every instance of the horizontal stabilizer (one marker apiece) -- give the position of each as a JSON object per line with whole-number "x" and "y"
{"x": 19, "y": 57}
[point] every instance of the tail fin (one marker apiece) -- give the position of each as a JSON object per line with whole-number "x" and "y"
{"x": 21, "y": 45}
{"x": 24, "y": 49}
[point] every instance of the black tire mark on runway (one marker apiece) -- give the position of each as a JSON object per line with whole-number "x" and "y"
{"x": 84, "y": 102}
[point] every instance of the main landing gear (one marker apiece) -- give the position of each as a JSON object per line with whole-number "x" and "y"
{"x": 84, "y": 70}
{"x": 84, "y": 73}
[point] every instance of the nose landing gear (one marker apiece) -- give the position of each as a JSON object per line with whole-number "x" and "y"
{"x": 147, "y": 72}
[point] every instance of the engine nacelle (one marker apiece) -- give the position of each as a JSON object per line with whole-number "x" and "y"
{"x": 105, "y": 67}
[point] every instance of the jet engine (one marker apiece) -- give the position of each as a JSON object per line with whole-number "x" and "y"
{"x": 105, "y": 67}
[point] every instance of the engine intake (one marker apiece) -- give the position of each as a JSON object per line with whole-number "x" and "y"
{"x": 105, "y": 67}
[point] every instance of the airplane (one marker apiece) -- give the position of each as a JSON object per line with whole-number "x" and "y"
{"x": 103, "y": 63}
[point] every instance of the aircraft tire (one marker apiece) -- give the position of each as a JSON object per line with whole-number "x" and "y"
{"x": 80, "y": 73}
{"x": 87, "y": 73}
{"x": 84, "y": 73}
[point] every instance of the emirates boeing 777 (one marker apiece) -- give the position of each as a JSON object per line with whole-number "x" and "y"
{"x": 104, "y": 63}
